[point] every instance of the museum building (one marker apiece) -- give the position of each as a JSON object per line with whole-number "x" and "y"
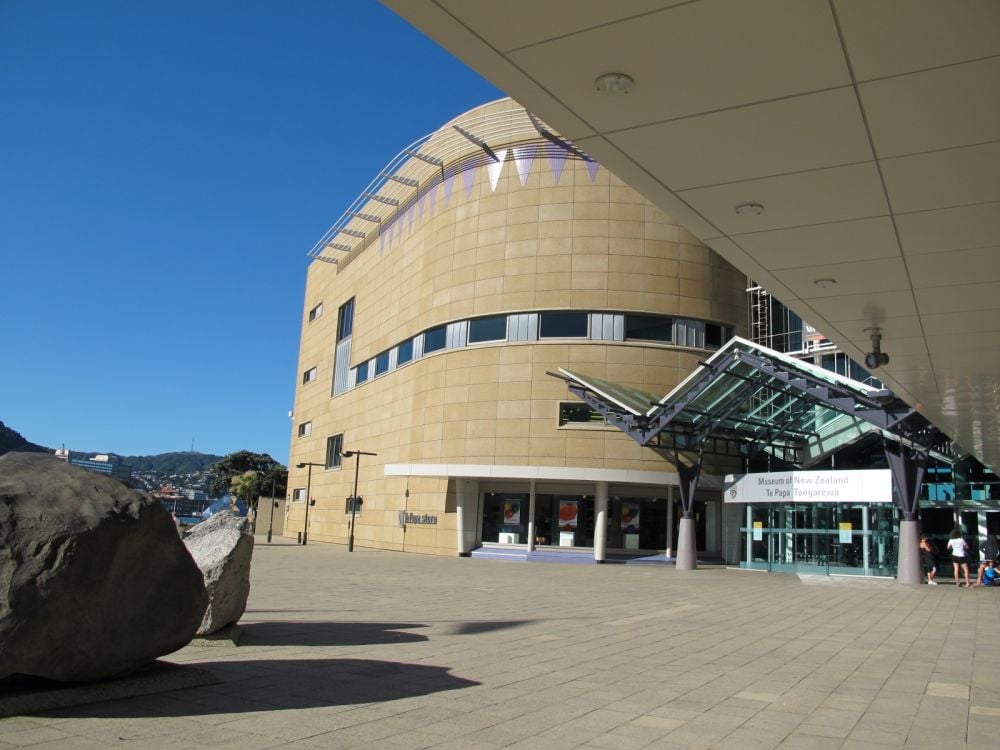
{"x": 484, "y": 257}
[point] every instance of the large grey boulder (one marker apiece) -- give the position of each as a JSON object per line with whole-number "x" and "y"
{"x": 222, "y": 547}
{"x": 94, "y": 579}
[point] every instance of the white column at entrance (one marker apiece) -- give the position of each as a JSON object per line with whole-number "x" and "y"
{"x": 670, "y": 521}
{"x": 601, "y": 522}
{"x": 749, "y": 535}
{"x": 466, "y": 524}
{"x": 531, "y": 516}
{"x": 981, "y": 523}
{"x": 866, "y": 540}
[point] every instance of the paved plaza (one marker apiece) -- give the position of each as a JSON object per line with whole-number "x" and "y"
{"x": 375, "y": 649}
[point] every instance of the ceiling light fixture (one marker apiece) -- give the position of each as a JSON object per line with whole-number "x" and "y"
{"x": 749, "y": 209}
{"x": 824, "y": 283}
{"x": 614, "y": 84}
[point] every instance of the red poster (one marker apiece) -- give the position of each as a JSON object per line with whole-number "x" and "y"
{"x": 567, "y": 515}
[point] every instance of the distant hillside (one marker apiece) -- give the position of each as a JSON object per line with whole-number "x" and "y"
{"x": 11, "y": 440}
{"x": 182, "y": 462}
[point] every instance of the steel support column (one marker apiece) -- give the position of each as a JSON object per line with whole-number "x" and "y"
{"x": 907, "y": 466}
{"x": 687, "y": 554}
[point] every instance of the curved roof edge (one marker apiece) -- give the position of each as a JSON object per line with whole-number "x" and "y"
{"x": 483, "y": 136}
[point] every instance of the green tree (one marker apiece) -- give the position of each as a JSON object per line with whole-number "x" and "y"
{"x": 263, "y": 469}
{"x": 245, "y": 487}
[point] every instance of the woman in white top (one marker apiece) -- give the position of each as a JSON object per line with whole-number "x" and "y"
{"x": 959, "y": 555}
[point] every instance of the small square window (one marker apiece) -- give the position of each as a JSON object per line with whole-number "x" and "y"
{"x": 713, "y": 335}
{"x": 649, "y": 327}
{"x": 309, "y": 375}
{"x": 298, "y": 494}
{"x": 381, "y": 363}
{"x": 305, "y": 429}
{"x": 563, "y": 325}
{"x": 334, "y": 446}
{"x": 404, "y": 352}
{"x": 435, "y": 339}
{"x": 493, "y": 328}
{"x": 361, "y": 373}
{"x": 315, "y": 312}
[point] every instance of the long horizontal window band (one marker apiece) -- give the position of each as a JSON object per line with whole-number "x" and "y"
{"x": 548, "y": 325}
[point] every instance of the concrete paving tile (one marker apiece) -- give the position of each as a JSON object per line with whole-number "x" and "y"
{"x": 34, "y": 735}
{"x": 72, "y": 743}
{"x": 825, "y": 730}
{"x": 21, "y": 723}
{"x": 800, "y": 741}
{"x": 543, "y": 743}
{"x": 948, "y": 690}
{"x": 752, "y": 738}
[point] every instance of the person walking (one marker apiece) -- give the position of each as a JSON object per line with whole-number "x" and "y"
{"x": 928, "y": 560}
{"x": 959, "y": 555}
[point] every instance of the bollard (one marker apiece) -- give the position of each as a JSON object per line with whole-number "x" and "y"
{"x": 300, "y": 537}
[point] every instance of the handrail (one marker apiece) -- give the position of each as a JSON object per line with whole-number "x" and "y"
{"x": 428, "y": 161}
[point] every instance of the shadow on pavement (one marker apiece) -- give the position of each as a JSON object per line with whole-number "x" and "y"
{"x": 486, "y": 626}
{"x": 279, "y": 684}
{"x": 327, "y": 633}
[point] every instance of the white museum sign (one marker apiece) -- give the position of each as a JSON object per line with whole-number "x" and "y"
{"x": 863, "y": 486}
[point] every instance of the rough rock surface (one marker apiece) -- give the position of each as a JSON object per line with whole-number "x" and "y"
{"x": 94, "y": 579}
{"x": 222, "y": 547}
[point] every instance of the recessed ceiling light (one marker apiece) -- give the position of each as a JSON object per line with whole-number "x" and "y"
{"x": 824, "y": 283}
{"x": 749, "y": 209}
{"x": 614, "y": 84}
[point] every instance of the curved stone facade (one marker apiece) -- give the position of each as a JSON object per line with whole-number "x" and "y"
{"x": 528, "y": 230}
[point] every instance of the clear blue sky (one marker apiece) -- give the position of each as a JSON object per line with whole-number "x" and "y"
{"x": 164, "y": 168}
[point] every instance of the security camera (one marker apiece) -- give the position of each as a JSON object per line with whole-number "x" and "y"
{"x": 876, "y": 358}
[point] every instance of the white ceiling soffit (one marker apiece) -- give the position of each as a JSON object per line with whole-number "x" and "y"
{"x": 868, "y": 131}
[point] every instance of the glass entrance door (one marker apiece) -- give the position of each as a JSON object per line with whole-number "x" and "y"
{"x": 843, "y": 539}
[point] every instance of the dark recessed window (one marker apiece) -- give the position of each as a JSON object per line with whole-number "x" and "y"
{"x": 345, "y": 320}
{"x": 405, "y": 352}
{"x": 488, "y": 329}
{"x": 563, "y": 325}
{"x": 334, "y": 445}
{"x": 649, "y": 327}
{"x": 381, "y": 363}
{"x": 576, "y": 413}
{"x": 315, "y": 312}
{"x": 361, "y": 373}
{"x": 435, "y": 339}
{"x": 305, "y": 429}
{"x": 713, "y": 335}
{"x": 309, "y": 375}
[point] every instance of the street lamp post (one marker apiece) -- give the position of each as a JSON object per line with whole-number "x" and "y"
{"x": 354, "y": 498}
{"x": 309, "y": 500}
{"x": 270, "y": 524}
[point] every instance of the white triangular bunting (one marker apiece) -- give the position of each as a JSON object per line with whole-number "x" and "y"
{"x": 524, "y": 156}
{"x": 495, "y": 167}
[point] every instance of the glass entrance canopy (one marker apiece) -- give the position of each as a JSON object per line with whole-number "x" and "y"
{"x": 746, "y": 398}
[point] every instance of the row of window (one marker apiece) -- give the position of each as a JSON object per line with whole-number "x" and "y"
{"x": 543, "y": 326}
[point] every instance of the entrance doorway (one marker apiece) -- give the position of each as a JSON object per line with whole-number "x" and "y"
{"x": 818, "y": 538}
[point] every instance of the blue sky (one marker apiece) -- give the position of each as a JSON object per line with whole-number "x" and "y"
{"x": 164, "y": 168}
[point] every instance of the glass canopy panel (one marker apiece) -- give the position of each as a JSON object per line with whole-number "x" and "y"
{"x": 632, "y": 400}
{"x": 752, "y": 395}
